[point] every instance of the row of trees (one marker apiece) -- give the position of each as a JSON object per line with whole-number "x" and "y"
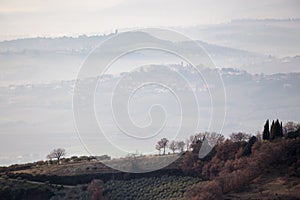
{"x": 239, "y": 159}
{"x": 191, "y": 142}
{"x": 275, "y": 132}
{"x": 278, "y": 131}
{"x": 173, "y": 145}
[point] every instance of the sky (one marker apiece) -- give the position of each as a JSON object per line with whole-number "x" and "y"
{"x": 39, "y": 118}
{"x": 52, "y": 18}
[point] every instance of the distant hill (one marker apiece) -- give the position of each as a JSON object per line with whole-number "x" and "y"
{"x": 46, "y": 59}
{"x": 40, "y": 109}
{"x": 276, "y": 37}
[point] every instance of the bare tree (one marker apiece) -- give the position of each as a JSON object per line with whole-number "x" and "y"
{"x": 49, "y": 156}
{"x": 132, "y": 158}
{"x": 158, "y": 147}
{"x": 290, "y": 127}
{"x": 57, "y": 153}
{"x": 193, "y": 140}
{"x": 258, "y": 135}
{"x": 238, "y": 137}
{"x": 180, "y": 145}
{"x": 162, "y": 144}
{"x": 188, "y": 143}
{"x": 173, "y": 146}
{"x": 214, "y": 138}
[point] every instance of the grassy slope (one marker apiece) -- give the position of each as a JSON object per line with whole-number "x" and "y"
{"x": 274, "y": 183}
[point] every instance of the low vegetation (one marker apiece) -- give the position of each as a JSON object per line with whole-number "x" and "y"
{"x": 165, "y": 187}
{"x": 20, "y": 189}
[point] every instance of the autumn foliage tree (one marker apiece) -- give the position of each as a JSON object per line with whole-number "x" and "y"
{"x": 95, "y": 190}
{"x": 210, "y": 190}
{"x": 247, "y": 150}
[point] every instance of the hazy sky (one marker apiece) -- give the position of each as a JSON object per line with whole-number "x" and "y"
{"x": 55, "y": 18}
{"x": 39, "y": 118}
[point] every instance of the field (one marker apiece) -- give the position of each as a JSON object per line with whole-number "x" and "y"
{"x": 165, "y": 187}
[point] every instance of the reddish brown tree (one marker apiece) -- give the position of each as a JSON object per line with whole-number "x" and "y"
{"x": 95, "y": 189}
{"x": 209, "y": 190}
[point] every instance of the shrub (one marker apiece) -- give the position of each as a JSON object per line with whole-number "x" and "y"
{"x": 95, "y": 189}
{"x": 210, "y": 190}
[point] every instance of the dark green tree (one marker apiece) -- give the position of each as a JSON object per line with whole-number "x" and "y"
{"x": 266, "y": 132}
{"x": 277, "y": 129}
{"x": 281, "y": 130}
{"x": 247, "y": 150}
{"x": 272, "y": 132}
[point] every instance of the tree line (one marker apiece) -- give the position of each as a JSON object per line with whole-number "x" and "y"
{"x": 239, "y": 159}
{"x": 276, "y": 130}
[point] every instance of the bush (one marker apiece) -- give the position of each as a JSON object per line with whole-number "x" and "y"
{"x": 95, "y": 189}
{"x": 210, "y": 190}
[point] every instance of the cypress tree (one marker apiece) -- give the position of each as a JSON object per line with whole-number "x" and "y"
{"x": 272, "y": 132}
{"x": 248, "y": 147}
{"x": 281, "y": 130}
{"x": 266, "y": 132}
{"x": 277, "y": 129}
